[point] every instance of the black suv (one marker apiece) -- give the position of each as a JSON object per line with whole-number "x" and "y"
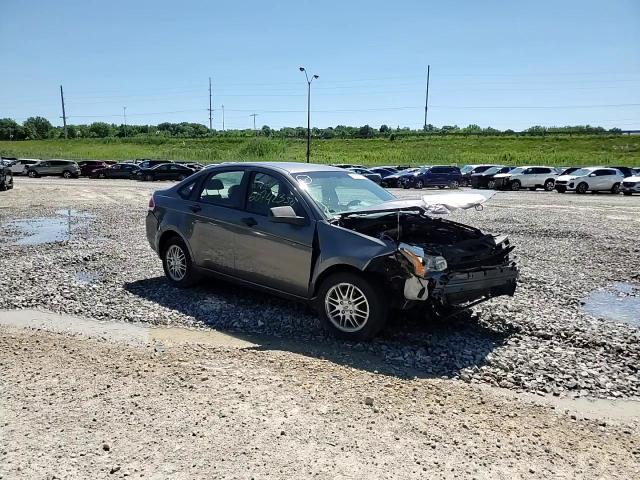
{"x": 6, "y": 178}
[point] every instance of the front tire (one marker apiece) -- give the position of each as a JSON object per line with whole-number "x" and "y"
{"x": 66, "y": 174}
{"x": 32, "y": 174}
{"x": 515, "y": 185}
{"x": 549, "y": 184}
{"x": 582, "y": 188}
{"x": 419, "y": 184}
{"x": 177, "y": 264}
{"x": 454, "y": 185}
{"x": 616, "y": 188}
{"x": 351, "y": 307}
{"x": 101, "y": 175}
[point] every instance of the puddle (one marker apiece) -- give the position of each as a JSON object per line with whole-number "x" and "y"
{"x": 87, "y": 278}
{"x": 619, "y": 303}
{"x": 121, "y": 332}
{"x": 37, "y": 231}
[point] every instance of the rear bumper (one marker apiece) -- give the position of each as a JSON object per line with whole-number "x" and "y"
{"x": 459, "y": 288}
{"x": 151, "y": 224}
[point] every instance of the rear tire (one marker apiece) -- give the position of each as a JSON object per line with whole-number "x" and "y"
{"x": 454, "y": 185}
{"x": 582, "y": 188}
{"x": 343, "y": 320}
{"x": 419, "y": 184}
{"x": 177, "y": 264}
{"x": 549, "y": 184}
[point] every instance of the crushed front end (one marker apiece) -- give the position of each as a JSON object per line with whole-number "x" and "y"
{"x": 435, "y": 263}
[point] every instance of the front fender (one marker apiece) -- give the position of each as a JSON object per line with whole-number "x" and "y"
{"x": 338, "y": 246}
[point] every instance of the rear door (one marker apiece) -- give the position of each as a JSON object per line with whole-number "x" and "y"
{"x": 214, "y": 214}
{"x": 275, "y": 255}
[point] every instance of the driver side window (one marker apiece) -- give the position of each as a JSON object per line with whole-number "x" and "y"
{"x": 267, "y": 191}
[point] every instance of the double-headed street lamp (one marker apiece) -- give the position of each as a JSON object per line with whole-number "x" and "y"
{"x": 309, "y": 80}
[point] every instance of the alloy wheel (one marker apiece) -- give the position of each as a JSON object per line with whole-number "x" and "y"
{"x": 176, "y": 263}
{"x": 454, "y": 184}
{"x": 347, "y": 307}
{"x": 492, "y": 184}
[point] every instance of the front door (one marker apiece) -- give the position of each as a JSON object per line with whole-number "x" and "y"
{"x": 275, "y": 255}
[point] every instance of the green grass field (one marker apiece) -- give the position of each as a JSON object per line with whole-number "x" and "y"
{"x": 460, "y": 150}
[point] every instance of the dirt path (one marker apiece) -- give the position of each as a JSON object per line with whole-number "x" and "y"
{"x": 74, "y": 407}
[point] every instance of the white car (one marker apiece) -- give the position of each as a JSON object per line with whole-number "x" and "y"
{"x": 593, "y": 179}
{"x": 527, "y": 177}
{"x": 19, "y": 167}
{"x": 631, "y": 185}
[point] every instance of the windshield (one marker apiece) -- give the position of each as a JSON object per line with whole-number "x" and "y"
{"x": 517, "y": 170}
{"x": 493, "y": 170}
{"x": 467, "y": 168}
{"x": 339, "y": 192}
{"x": 581, "y": 172}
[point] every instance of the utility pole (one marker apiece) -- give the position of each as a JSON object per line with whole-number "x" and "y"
{"x": 210, "y": 110}
{"x": 64, "y": 115}
{"x": 254, "y": 115}
{"x": 124, "y": 114}
{"x": 223, "y": 118}
{"x": 426, "y": 100}
{"x": 302, "y": 69}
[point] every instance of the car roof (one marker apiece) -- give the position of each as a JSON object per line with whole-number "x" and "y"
{"x": 288, "y": 167}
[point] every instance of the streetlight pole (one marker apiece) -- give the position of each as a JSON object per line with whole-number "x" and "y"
{"x": 124, "y": 114}
{"x": 309, "y": 80}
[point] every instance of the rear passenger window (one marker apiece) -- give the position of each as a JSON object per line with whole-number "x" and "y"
{"x": 185, "y": 192}
{"x": 223, "y": 188}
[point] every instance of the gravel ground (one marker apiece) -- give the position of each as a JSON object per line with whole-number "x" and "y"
{"x": 77, "y": 408}
{"x": 538, "y": 341}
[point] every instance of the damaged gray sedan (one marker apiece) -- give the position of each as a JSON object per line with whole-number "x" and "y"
{"x": 330, "y": 237}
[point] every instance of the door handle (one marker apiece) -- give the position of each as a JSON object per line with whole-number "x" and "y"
{"x": 195, "y": 208}
{"x": 249, "y": 221}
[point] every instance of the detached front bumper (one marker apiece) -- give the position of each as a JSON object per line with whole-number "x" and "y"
{"x": 630, "y": 187}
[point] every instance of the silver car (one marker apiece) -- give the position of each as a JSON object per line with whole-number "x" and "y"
{"x": 326, "y": 236}
{"x": 60, "y": 168}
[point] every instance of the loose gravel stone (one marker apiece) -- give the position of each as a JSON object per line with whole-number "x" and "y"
{"x": 539, "y": 341}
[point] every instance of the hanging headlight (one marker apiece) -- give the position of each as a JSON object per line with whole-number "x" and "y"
{"x": 422, "y": 264}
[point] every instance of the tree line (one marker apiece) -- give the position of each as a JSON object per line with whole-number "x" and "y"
{"x": 39, "y": 128}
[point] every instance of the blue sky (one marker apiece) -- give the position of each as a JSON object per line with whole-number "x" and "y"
{"x": 504, "y": 64}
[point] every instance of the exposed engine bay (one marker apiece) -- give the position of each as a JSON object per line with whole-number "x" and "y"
{"x": 446, "y": 264}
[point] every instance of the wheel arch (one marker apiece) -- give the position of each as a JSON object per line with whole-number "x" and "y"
{"x": 166, "y": 235}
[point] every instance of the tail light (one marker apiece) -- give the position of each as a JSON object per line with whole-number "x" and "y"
{"x": 152, "y": 203}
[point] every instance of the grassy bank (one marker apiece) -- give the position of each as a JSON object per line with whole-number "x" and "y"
{"x": 549, "y": 150}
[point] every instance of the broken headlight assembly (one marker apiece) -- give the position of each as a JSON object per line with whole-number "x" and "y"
{"x": 422, "y": 263}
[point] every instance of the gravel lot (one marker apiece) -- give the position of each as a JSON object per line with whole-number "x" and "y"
{"x": 539, "y": 342}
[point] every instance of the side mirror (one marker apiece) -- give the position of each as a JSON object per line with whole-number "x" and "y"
{"x": 592, "y": 174}
{"x": 285, "y": 214}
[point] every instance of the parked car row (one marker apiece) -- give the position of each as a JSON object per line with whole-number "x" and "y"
{"x": 578, "y": 179}
{"x": 140, "y": 169}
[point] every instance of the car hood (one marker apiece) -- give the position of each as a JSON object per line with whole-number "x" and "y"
{"x": 436, "y": 204}
{"x": 634, "y": 178}
{"x": 566, "y": 178}
{"x": 503, "y": 175}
